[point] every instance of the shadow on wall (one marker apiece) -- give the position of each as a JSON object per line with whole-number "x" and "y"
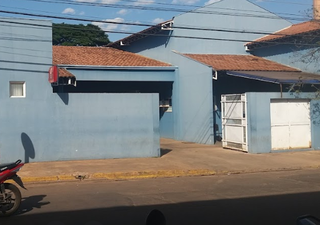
{"x": 163, "y": 38}
{"x": 64, "y": 97}
{"x": 61, "y": 92}
{"x": 27, "y": 144}
{"x": 315, "y": 114}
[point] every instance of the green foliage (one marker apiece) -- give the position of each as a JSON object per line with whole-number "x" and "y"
{"x": 78, "y": 35}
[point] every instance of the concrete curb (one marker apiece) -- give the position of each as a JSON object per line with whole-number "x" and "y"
{"x": 154, "y": 174}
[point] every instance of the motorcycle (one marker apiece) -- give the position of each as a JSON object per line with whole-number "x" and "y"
{"x": 10, "y": 195}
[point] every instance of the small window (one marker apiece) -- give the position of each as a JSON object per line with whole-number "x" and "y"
{"x": 17, "y": 89}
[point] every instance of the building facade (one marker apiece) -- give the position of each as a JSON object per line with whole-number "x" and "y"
{"x": 198, "y": 86}
{"x": 88, "y": 106}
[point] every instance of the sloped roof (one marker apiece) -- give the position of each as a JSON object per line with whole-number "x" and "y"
{"x": 100, "y": 56}
{"x": 142, "y": 34}
{"x": 295, "y": 29}
{"x": 65, "y": 73}
{"x": 239, "y": 63}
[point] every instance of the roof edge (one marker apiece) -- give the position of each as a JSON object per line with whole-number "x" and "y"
{"x": 88, "y": 67}
{"x": 283, "y": 35}
{"x": 185, "y": 56}
{"x": 274, "y": 33}
{"x": 285, "y": 68}
{"x": 134, "y": 37}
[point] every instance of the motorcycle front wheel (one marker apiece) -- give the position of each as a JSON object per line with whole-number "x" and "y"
{"x": 12, "y": 200}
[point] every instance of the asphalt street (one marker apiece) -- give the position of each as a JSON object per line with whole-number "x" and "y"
{"x": 250, "y": 199}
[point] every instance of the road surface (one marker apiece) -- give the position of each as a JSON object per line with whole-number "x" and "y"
{"x": 249, "y": 199}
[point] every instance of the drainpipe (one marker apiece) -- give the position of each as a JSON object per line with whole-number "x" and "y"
{"x": 281, "y": 95}
{"x": 214, "y": 101}
{"x": 316, "y": 9}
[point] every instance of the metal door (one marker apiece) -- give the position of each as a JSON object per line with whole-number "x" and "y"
{"x": 234, "y": 121}
{"x": 290, "y": 124}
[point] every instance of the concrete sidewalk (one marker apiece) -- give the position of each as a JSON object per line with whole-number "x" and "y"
{"x": 178, "y": 159}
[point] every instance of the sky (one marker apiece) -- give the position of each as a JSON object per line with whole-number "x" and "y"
{"x": 134, "y": 12}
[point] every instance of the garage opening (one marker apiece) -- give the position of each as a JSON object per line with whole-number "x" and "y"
{"x": 164, "y": 89}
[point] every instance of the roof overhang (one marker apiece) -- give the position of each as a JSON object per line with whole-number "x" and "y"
{"x": 303, "y": 39}
{"x": 93, "y": 67}
{"x": 114, "y": 73}
{"x": 305, "y": 29}
{"x": 278, "y": 77}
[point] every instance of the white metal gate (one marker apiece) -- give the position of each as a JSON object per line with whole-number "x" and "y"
{"x": 290, "y": 124}
{"x": 234, "y": 121}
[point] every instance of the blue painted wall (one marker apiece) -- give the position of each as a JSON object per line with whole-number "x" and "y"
{"x": 136, "y": 74}
{"x": 25, "y": 46}
{"x": 193, "y": 101}
{"x": 195, "y": 121}
{"x": 89, "y": 126}
{"x": 193, "y": 111}
{"x": 315, "y": 123}
{"x": 241, "y": 17}
{"x": 259, "y": 119}
{"x": 299, "y": 57}
{"x": 46, "y": 126}
{"x": 124, "y": 74}
{"x": 166, "y": 124}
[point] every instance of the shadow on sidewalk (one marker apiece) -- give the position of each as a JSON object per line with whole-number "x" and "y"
{"x": 28, "y": 204}
{"x": 164, "y": 151}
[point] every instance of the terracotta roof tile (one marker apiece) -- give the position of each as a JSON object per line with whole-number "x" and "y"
{"x": 100, "y": 56}
{"x": 294, "y": 29}
{"x": 239, "y": 62}
{"x": 65, "y": 73}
